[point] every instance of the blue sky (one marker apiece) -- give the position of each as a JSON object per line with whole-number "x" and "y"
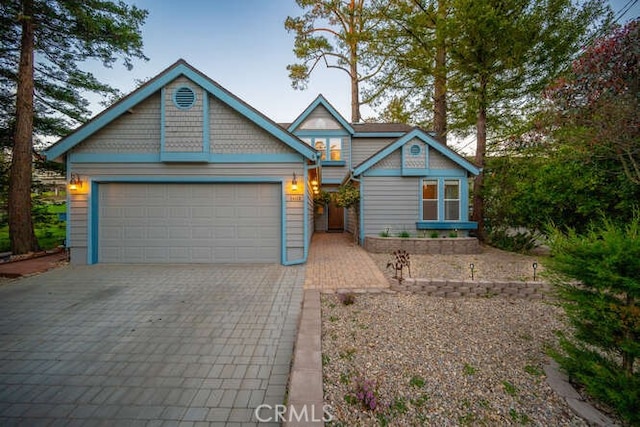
{"x": 242, "y": 45}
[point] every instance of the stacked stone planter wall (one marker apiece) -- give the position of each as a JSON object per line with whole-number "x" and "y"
{"x": 472, "y": 288}
{"x": 423, "y": 245}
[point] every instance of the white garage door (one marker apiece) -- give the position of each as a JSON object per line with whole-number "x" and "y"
{"x": 189, "y": 223}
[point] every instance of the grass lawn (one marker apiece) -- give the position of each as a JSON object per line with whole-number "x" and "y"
{"x": 50, "y": 235}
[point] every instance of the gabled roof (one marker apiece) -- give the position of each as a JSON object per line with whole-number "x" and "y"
{"x": 427, "y": 139}
{"x": 179, "y": 68}
{"x": 320, "y": 100}
{"x": 381, "y": 127}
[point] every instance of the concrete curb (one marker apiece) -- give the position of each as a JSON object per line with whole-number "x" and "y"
{"x": 559, "y": 382}
{"x": 306, "y": 396}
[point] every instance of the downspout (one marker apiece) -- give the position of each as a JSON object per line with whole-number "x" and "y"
{"x": 361, "y": 209}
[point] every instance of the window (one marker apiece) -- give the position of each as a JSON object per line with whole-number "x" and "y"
{"x": 335, "y": 149}
{"x": 429, "y": 200}
{"x": 452, "y": 200}
{"x": 322, "y": 148}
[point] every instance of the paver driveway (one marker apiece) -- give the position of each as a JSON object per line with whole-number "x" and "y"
{"x": 147, "y": 345}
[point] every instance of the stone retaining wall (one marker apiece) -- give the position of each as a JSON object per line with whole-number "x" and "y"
{"x": 472, "y": 288}
{"x": 423, "y": 245}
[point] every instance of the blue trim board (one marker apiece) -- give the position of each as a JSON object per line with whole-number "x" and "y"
{"x": 320, "y": 133}
{"x": 333, "y": 163}
{"x": 430, "y": 141}
{"x": 446, "y": 225}
{"x": 93, "y": 234}
{"x": 186, "y": 157}
{"x": 320, "y": 100}
{"x": 163, "y": 124}
{"x": 206, "y": 142}
{"x": 209, "y": 157}
{"x": 180, "y": 68}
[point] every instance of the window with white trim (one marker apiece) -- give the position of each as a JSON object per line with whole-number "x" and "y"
{"x": 329, "y": 148}
{"x": 429, "y": 200}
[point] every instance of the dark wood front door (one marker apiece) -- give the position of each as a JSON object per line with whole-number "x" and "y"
{"x": 336, "y": 218}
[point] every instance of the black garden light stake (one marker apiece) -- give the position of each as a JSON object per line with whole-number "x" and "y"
{"x": 471, "y": 266}
{"x": 535, "y": 267}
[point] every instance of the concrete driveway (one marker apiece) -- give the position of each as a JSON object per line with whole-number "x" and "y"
{"x": 147, "y": 345}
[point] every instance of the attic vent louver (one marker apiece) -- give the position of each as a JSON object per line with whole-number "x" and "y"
{"x": 184, "y": 97}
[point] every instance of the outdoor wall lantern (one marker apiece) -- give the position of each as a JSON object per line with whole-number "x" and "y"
{"x": 294, "y": 183}
{"x": 75, "y": 183}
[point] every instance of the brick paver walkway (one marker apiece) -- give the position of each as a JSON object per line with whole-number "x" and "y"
{"x": 336, "y": 263}
{"x": 147, "y": 345}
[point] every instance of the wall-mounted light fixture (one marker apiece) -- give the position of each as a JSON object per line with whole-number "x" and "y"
{"x": 75, "y": 183}
{"x": 294, "y": 183}
{"x": 314, "y": 183}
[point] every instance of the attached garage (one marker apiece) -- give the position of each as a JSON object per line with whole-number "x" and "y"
{"x": 189, "y": 222}
{"x": 183, "y": 171}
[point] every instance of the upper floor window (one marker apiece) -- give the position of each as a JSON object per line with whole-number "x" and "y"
{"x": 328, "y": 148}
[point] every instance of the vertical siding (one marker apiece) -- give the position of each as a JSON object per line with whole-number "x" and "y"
{"x": 183, "y": 128}
{"x": 231, "y": 133}
{"x": 320, "y": 118}
{"x": 363, "y": 148}
{"x": 390, "y": 202}
{"x": 137, "y": 131}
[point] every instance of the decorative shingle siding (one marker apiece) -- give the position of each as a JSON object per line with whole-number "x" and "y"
{"x": 137, "y": 131}
{"x": 390, "y": 202}
{"x": 415, "y": 161}
{"x": 392, "y": 161}
{"x": 320, "y": 118}
{"x": 183, "y": 127}
{"x": 438, "y": 161}
{"x": 231, "y": 133}
{"x": 363, "y": 148}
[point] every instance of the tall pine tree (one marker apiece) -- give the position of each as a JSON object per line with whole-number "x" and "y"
{"x": 43, "y": 41}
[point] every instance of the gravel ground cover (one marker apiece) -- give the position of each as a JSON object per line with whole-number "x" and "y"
{"x": 490, "y": 264}
{"x": 435, "y": 361}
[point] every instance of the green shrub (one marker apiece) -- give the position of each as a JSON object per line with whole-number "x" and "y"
{"x": 504, "y": 239}
{"x": 597, "y": 278}
{"x": 404, "y": 234}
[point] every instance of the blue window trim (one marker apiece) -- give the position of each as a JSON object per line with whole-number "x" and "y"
{"x": 464, "y": 200}
{"x": 446, "y": 225}
{"x": 333, "y": 163}
{"x": 93, "y": 201}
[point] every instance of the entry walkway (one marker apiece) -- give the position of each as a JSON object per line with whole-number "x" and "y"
{"x": 336, "y": 262}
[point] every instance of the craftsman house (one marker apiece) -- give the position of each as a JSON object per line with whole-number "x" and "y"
{"x": 183, "y": 171}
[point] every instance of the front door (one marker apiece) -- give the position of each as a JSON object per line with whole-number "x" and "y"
{"x": 336, "y": 218}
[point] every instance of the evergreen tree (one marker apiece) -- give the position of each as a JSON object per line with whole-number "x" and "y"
{"x": 41, "y": 84}
{"x": 336, "y": 33}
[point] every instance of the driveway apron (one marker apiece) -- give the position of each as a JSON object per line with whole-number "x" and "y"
{"x": 147, "y": 345}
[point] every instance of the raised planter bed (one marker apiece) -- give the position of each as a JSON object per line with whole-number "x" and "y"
{"x": 423, "y": 245}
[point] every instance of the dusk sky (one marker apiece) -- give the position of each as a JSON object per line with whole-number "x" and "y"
{"x": 243, "y": 46}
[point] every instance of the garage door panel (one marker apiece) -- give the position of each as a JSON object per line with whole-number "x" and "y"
{"x": 181, "y": 223}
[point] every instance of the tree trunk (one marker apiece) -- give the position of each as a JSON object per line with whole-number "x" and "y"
{"x": 353, "y": 61}
{"x": 440, "y": 77}
{"x": 481, "y": 149}
{"x": 21, "y": 233}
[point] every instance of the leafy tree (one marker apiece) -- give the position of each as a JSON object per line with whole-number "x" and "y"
{"x": 596, "y": 104}
{"x": 502, "y": 54}
{"x": 336, "y": 33}
{"x": 348, "y": 197}
{"x": 43, "y": 41}
{"x": 414, "y": 41}
{"x": 598, "y": 282}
